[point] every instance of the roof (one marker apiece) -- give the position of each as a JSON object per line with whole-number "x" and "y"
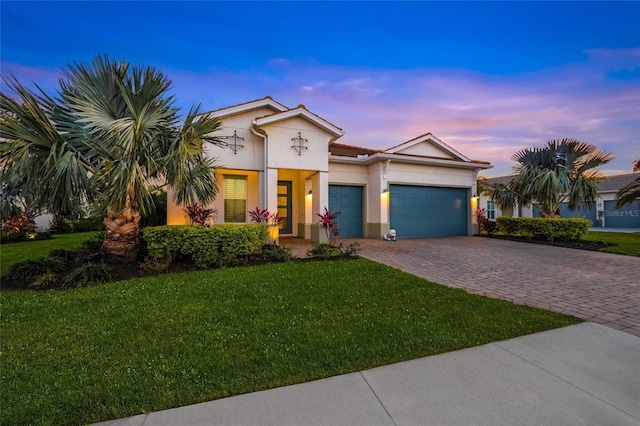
{"x": 350, "y": 151}
{"x": 616, "y": 182}
{"x": 492, "y": 181}
{"x": 299, "y": 111}
{"x": 267, "y": 101}
{"x": 606, "y": 184}
{"x": 423, "y": 138}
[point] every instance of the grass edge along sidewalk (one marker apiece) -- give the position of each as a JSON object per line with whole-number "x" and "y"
{"x": 130, "y": 347}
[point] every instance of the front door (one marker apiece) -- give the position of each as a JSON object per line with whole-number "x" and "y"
{"x": 284, "y": 206}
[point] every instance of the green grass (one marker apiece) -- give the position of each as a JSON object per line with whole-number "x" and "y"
{"x": 621, "y": 243}
{"x": 130, "y": 347}
{"x": 17, "y": 252}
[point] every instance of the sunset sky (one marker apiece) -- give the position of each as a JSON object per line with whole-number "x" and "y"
{"x": 487, "y": 78}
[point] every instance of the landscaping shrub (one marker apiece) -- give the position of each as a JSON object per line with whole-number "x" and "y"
{"x": 221, "y": 245}
{"x": 30, "y": 269}
{"x": 88, "y": 274}
{"x": 22, "y": 228}
{"x": 327, "y": 251}
{"x": 60, "y": 225}
{"x": 276, "y": 254}
{"x": 549, "y": 229}
{"x": 88, "y": 224}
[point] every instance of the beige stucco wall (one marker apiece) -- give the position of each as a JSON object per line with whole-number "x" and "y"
{"x": 251, "y": 157}
{"x": 281, "y": 155}
{"x": 426, "y": 150}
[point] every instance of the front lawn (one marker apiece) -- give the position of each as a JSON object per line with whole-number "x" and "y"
{"x": 146, "y": 344}
{"x": 25, "y": 250}
{"x": 618, "y": 242}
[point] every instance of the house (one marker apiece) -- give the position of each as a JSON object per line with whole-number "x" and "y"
{"x": 601, "y": 214}
{"x": 289, "y": 160}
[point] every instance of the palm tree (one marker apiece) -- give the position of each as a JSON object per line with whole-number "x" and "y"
{"x": 630, "y": 192}
{"x": 546, "y": 177}
{"x": 110, "y": 139}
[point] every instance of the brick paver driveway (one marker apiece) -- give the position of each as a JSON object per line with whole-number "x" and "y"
{"x": 598, "y": 287}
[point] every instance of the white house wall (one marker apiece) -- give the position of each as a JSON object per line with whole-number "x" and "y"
{"x": 282, "y": 156}
{"x": 251, "y": 156}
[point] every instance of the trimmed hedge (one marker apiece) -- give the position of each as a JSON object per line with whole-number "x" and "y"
{"x": 544, "y": 228}
{"x": 220, "y": 245}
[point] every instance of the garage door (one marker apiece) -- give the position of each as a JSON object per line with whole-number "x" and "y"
{"x": 423, "y": 211}
{"x": 587, "y": 212}
{"x": 627, "y": 216}
{"x": 348, "y": 201}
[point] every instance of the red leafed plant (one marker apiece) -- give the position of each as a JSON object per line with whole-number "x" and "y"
{"x": 199, "y": 215}
{"x": 259, "y": 216}
{"x": 329, "y": 224}
{"x": 484, "y": 224}
{"x": 263, "y": 216}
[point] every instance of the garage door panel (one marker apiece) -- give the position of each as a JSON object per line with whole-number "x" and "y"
{"x": 627, "y": 216}
{"x": 348, "y": 201}
{"x": 420, "y": 211}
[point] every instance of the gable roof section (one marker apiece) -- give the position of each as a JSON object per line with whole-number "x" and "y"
{"x": 429, "y": 139}
{"x": 267, "y": 101}
{"x": 302, "y": 112}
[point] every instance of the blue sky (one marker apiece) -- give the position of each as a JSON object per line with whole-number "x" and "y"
{"x": 487, "y": 78}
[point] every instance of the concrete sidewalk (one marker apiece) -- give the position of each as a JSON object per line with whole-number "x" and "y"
{"x": 586, "y": 374}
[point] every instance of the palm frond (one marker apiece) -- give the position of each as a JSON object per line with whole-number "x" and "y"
{"x": 629, "y": 194}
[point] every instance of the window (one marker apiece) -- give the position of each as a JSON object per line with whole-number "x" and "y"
{"x": 235, "y": 199}
{"x": 491, "y": 210}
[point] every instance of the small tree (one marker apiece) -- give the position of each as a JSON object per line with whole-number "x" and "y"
{"x": 564, "y": 170}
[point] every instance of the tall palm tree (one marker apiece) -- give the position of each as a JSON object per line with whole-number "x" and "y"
{"x": 564, "y": 170}
{"x": 630, "y": 192}
{"x": 110, "y": 138}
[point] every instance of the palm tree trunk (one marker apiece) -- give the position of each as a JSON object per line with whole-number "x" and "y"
{"x": 122, "y": 243}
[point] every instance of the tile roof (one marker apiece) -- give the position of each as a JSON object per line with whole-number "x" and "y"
{"x": 300, "y": 107}
{"x": 350, "y": 151}
{"x": 614, "y": 183}
{"x": 606, "y": 184}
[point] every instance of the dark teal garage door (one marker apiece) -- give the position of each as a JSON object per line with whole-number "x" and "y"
{"x": 424, "y": 211}
{"x": 348, "y": 201}
{"x": 627, "y": 216}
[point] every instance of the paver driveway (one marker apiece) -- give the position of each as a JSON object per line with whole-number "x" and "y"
{"x": 599, "y": 287}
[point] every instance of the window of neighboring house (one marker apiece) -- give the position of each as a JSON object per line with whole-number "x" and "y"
{"x": 235, "y": 199}
{"x": 491, "y": 210}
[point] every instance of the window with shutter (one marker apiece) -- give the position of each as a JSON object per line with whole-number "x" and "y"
{"x": 235, "y": 199}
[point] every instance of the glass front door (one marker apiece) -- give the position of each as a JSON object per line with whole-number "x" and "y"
{"x": 284, "y": 206}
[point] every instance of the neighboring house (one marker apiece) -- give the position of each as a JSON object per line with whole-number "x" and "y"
{"x": 288, "y": 160}
{"x": 601, "y": 214}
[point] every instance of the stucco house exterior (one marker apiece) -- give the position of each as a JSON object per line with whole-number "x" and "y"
{"x": 602, "y": 214}
{"x": 289, "y": 160}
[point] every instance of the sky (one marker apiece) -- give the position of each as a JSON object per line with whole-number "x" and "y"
{"x": 486, "y": 78}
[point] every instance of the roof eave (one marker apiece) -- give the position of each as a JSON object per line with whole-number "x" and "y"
{"x": 405, "y": 159}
